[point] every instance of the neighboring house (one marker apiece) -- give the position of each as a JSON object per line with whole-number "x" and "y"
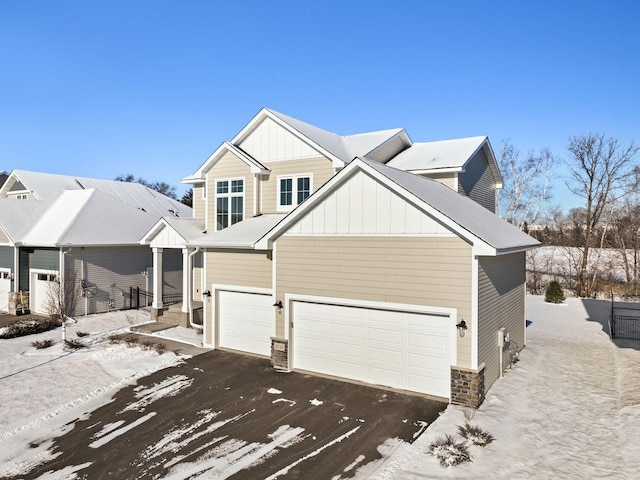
{"x": 56, "y": 227}
{"x": 341, "y": 255}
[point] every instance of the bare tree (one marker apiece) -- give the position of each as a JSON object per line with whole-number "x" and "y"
{"x": 161, "y": 187}
{"x": 598, "y": 168}
{"x": 527, "y": 182}
{"x": 63, "y": 295}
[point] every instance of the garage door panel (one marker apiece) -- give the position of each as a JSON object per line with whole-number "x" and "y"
{"x": 384, "y": 355}
{"x": 246, "y": 321}
{"x": 397, "y": 349}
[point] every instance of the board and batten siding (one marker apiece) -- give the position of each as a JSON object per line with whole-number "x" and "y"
{"x": 320, "y": 168}
{"x": 239, "y": 268}
{"x": 501, "y": 303}
{"x": 270, "y": 142}
{"x": 100, "y": 267}
{"x": 228, "y": 167}
{"x": 426, "y": 271}
{"x": 477, "y": 182}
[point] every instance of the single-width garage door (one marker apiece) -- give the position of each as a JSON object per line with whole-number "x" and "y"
{"x": 405, "y": 350}
{"x": 5, "y": 288}
{"x": 40, "y": 290}
{"x": 246, "y": 321}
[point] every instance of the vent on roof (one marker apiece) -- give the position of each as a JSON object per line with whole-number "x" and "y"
{"x": 78, "y": 182}
{"x": 140, "y": 208}
{"x": 174, "y": 213}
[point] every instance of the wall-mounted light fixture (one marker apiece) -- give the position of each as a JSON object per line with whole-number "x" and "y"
{"x": 279, "y": 307}
{"x": 206, "y": 293}
{"x": 462, "y": 328}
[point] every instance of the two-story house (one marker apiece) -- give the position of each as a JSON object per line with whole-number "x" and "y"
{"x": 366, "y": 257}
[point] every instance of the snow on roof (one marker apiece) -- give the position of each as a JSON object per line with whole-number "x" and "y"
{"x": 190, "y": 229}
{"x": 346, "y": 148}
{"x": 84, "y": 217}
{"x": 18, "y": 216}
{"x": 437, "y": 155}
{"x": 465, "y": 212}
{"x": 243, "y": 234}
{"x": 48, "y": 186}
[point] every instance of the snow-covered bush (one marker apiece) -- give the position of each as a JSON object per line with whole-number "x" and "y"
{"x": 449, "y": 451}
{"x": 40, "y": 344}
{"x": 475, "y": 435}
{"x": 29, "y": 327}
{"x": 554, "y": 293}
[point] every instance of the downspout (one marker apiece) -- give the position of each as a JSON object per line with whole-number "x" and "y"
{"x": 190, "y": 298}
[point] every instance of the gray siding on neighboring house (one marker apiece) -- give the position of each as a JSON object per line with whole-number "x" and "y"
{"x": 100, "y": 267}
{"x": 6, "y": 257}
{"x": 477, "y": 181}
{"x": 40, "y": 258}
{"x": 501, "y": 303}
{"x": 172, "y": 271}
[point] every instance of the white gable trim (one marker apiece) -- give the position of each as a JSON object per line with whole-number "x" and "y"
{"x": 266, "y": 113}
{"x": 480, "y": 247}
{"x": 163, "y": 235}
{"x": 198, "y": 177}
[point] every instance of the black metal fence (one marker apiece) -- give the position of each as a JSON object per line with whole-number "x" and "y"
{"x": 140, "y": 298}
{"x": 625, "y": 322}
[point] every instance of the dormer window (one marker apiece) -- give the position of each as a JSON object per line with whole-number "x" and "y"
{"x": 293, "y": 190}
{"x": 229, "y": 202}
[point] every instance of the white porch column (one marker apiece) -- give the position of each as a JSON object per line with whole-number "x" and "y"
{"x": 186, "y": 274}
{"x": 157, "y": 278}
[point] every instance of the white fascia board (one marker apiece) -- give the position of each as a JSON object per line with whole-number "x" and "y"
{"x": 198, "y": 176}
{"x": 480, "y": 246}
{"x": 155, "y": 230}
{"x": 265, "y": 113}
{"x": 437, "y": 170}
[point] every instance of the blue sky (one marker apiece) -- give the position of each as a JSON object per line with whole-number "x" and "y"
{"x": 103, "y": 88}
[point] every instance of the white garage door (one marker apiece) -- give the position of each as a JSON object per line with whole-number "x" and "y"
{"x": 246, "y": 321}
{"x": 5, "y": 288}
{"x": 403, "y": 350}
{"x": 39, "y": 291}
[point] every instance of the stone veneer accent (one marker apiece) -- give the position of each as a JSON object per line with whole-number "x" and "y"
{"x": 467, "y": 386}
{"x": 280, "y": 353}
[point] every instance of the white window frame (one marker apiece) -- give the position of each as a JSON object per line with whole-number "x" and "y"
{"x": 22, "y": 196}
{"x": 294, "y": 191}
{"x": 229, "y": 195}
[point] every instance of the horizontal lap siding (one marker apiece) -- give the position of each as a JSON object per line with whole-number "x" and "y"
{"x": 40, "y": 258}
{"x": 448, "y": 179}
{"x": 477, "y": 182}
{"x": 250, "y": 269}
{"x": 105, "y": 265}
{"x": 238, "y": 268}
{"x": 229, "y": 166}
{"x": 501, "y": 303}
{"x": 199, "y": 210}
{"x": 321, "y": 169}
{"x": 412, "y": 270}
{"x": 6, "y": 257}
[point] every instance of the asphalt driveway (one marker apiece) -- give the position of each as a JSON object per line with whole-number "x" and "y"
{"x": 222, "y": 415}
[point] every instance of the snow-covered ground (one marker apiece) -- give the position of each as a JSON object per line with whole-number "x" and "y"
{"x": 41, "y": 391}
{"x": 569, "y": 409}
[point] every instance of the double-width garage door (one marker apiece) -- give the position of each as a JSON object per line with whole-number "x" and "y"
{"x": 246, "y": 321}
{"x": 405, "y": 350}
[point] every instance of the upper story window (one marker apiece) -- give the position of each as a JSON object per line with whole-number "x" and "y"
{"x": 229, "y": 202}
{"x": 293, "y": 190}
{"x": 22, "y": 196}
